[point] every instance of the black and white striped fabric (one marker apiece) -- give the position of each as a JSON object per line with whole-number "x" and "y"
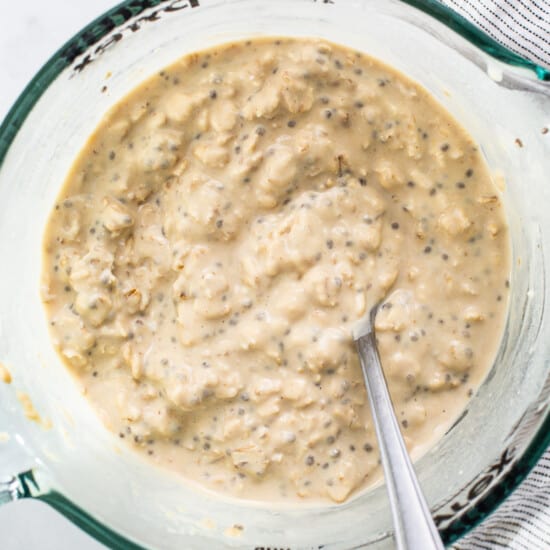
{"x": 523, "y": 521}
{"x": 522, "y": 26}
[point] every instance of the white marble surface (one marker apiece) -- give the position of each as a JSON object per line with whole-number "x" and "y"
{"x": 30, "y": 32}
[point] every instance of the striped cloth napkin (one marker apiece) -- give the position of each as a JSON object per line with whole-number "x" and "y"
{"x": 522, "y": 26}
{"x": 522, "y": 522}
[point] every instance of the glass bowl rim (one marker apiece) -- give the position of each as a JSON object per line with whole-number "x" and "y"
{"x": 104, "y": 25}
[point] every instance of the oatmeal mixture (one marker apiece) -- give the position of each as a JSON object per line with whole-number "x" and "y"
{"x": 225, "y": 228}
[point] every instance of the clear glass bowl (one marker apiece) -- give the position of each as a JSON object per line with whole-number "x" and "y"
{"x": 72, "y": 462}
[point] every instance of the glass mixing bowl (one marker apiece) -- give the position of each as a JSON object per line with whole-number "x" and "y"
{"x": 67, "y": 458}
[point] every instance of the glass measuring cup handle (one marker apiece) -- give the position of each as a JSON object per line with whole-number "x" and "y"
{"x": 16, "y": 487}
{"x": 16, "y": 477}
{"x": 9, "y": 489}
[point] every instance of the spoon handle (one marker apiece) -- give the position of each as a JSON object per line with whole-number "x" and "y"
{"x": 414, "y": 526}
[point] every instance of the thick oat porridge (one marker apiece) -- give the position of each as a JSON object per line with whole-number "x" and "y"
{"x": 224, "y": 229}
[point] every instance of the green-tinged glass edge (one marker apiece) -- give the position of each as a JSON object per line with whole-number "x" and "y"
{"x": 28, "y": 486}
{"x": 504, "y": 487}
{"x": 101, "y": 27}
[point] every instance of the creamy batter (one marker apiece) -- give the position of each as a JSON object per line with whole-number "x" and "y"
{"x": 224, "y": 229}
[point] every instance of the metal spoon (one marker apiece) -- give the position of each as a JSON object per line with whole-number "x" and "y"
{"x": 413, "y": 523}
